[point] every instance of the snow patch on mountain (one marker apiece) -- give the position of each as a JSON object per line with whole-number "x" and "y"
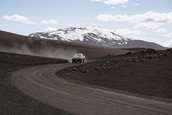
{"x": 93, "y": 35}
{"x": 78, "y": 33}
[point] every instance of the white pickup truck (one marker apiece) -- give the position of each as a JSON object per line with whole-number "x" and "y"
{"x": 78, "y": 58}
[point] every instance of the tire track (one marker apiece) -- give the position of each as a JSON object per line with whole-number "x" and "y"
{"x": 40, "y": 82}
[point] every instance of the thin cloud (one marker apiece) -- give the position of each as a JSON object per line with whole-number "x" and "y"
{"x": 112, "y": 7}
{"x": 18, "y": 18}
{"x": 49, "y": 21}
{"x": 136, "y": 4}
{"x": 111, "y": 2}
{"x": 168, "y": 35}
{"x": 124, "y": 6}
{"x": 149, "y": 25}
{"x": 161, "y": 30}
{"x": 128, "y": 32}
{"x": 147, "y": 20}
{"x": 50, "y": 29}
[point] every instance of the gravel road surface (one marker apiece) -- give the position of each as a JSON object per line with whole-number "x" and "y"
{"x": 40, "y": 82}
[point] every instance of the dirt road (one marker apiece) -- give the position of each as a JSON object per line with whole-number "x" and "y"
{"x": 41, "y": 83}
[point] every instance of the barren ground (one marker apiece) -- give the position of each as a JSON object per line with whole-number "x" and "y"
{"x": 15, "y": 102}
{"x": 147, "y": 72}
{"x": 82, "y": 99}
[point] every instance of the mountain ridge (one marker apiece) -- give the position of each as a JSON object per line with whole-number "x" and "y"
{"x": 95, "y": 35}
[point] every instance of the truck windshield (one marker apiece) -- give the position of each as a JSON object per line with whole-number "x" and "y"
{"x": 78, "y": 55}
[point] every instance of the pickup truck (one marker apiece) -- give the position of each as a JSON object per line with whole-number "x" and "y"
{"x": 78, "y": 58}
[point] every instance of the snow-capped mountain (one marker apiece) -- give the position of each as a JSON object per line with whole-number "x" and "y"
{"x": 94, "y": 35}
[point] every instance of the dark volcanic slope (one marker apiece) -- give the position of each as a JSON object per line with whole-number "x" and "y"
{"x": 10, "y": 41}
{"x": 9, "y": 60}
{"x": 146, "y": 72}
{"x": 13, "y": 101}
{"x": 143, "y": 44}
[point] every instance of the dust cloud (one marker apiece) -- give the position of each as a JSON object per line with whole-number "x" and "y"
{"x": 50, "y": 52}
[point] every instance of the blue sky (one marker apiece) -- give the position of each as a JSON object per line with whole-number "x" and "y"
{"x": 149, "y": 20}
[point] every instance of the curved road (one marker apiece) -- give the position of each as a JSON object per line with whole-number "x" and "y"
{"x": 40, "y": 82}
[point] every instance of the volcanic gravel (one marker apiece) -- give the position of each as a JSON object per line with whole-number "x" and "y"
{"x": 147, "y": 72}
{"x": 15, "y": 102}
